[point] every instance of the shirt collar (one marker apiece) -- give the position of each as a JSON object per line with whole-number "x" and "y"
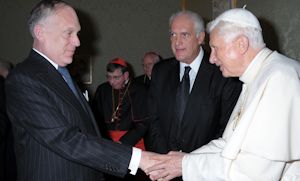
{"x": 195, "y": 63}
{"x": 53, "y": 63}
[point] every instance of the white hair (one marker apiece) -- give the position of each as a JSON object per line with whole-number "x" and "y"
{"x": 230, "y": 30}
{"x": 194, "y": 17}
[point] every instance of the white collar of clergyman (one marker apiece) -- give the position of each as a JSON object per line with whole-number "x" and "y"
{"x": 53, "y": 63}
{"x": 255, "y": 65}
{"x": 126, "y": 81}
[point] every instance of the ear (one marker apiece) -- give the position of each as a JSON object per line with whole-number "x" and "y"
{"x": 242, "y": 43}
{"x": 126, "y": 75}
{"x": 38, "y": 31}
{"x": 201, "y": 37}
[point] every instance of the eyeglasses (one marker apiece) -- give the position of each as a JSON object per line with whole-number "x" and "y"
{"x": 114, "y": 77}
{"x": 148, "y": 64}
{"x": 184, "y": 36}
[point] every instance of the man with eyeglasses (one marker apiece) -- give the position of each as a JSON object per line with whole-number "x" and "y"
{"x": 118, "y": 109}
{"x": 149, "y": 60}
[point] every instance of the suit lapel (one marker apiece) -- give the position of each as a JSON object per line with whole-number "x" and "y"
{"x": 174, "y": 76}
{"x": 173, "y": 80}
{"x": 87, "y": 109}
{"x": 58, "y": 85}
{"x": 200, "y": 87}
{"x": 202, "y": 79}
{"x": 53, "y": 79}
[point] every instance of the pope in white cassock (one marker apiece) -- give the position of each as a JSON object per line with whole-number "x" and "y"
{"x": 262, "y": 138}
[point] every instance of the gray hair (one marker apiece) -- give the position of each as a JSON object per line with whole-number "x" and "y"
{"x": 41, "y": 11}
{"x": 198, "y": 21}
{"x": 156, "y": 57}
{"x": 230, "y": 30}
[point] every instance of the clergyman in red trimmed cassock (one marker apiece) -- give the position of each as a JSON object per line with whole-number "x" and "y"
{"x": 118, "y": 105}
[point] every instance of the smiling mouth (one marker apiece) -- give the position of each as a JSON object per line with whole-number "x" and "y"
{"x": 179, "y": 49}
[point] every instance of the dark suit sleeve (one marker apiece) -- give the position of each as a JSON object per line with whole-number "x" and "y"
{"x": 3, "y": 116}
{"x": 134, "y": 135}
{"x": 49, "y": 120}
{"x": 154, "y": 139}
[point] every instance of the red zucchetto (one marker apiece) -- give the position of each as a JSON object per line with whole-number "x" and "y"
{"x": 119, "y": 61}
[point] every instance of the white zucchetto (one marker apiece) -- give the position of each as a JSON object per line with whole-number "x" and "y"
{"x": 239, "y": 16}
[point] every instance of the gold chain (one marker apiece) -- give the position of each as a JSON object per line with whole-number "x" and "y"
{"x": 113, "y": 117}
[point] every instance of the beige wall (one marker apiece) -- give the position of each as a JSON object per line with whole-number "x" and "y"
{"x": 280, "y": 21}
{"x": 204, "y": 9}
{"x": 111, "y": 28}
{"x": 129, "y": 28}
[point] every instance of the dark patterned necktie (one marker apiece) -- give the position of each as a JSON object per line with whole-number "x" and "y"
{"x": 183, "y": 92}
{"x": 66, "y": 75}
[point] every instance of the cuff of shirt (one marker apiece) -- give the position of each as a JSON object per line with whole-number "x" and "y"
{"x": 135, "y": 160}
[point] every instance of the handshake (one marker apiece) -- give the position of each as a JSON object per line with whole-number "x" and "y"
{"x": 162, "y": 167}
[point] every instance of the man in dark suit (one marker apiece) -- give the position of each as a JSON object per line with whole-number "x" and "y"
{"x": 56, "y": 136}
{"x": 149, "y": 60}
{"x": 7, "y": 155}
{"x": 211, "y": 97}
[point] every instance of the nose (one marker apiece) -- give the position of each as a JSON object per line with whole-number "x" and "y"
{"x": 175, "y": 40}
{"x": 178, "y": 40}
{"x": 212, "y": 58}
{"x": 76, "y": 41}
{"x": 147, "y": 67}
{"x": 111, "y": 81}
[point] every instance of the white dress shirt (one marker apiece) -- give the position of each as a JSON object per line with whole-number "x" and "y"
{"x": 194, "y": 68}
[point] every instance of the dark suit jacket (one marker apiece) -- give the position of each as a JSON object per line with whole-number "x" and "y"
{"x": 133, "y": 115}
{"x": 143, "y": 79}
{"x": 208, "y": 109}
{"x": 3, "y": 129}
{"x": 56, "y": 137}
{"x": 7, "y": 155}
{"x": 3, "y": 118}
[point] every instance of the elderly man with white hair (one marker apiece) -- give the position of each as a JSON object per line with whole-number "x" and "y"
{"x": 261, "y": 139}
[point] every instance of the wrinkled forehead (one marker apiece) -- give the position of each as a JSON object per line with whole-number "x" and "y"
{"x": 182, "y": 21}
{"x": 149, "y": 59}
{"x": 215, "y": 37}
{"x": 65, "y": 11}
